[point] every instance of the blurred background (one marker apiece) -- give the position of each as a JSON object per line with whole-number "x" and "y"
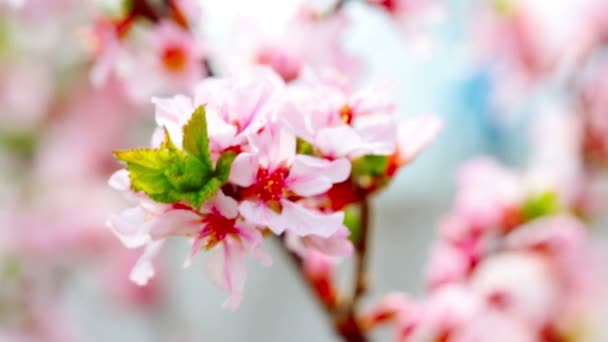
{"x": 521, "y": 81}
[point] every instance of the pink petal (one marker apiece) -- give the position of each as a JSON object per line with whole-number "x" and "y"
{"x": 175, "y": 222}
{"x": 173, "y": 110}
{"x": 130, "y": 227}
{"x": 337, "y": 245}
{"x": 195, "y": 247}
{"x": 275, "y": 146}
{"x": 244, "y": 169}
{"x": 221, "y": 134}
{"x": 378, "y": 134}
{"x": 377, "y": 99}
{"x": 226, "y": 268}
{"x": 338, "y": 141}
{"x": 312, "y": 176}
{"x": 225, "y": 205}
{"x": 295, "y": 119}
{"x": 120, "y": 180}
{"x": 143, "y": 270}
{"x": 416, "y": 134}
{"x": 302, "y": 221}
{"x": 173, "y": 113}
{"x": 258, "y": 213}
{"x": 253, "y": 238}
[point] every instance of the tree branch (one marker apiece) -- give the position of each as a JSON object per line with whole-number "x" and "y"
{"x": 361, "y": 246}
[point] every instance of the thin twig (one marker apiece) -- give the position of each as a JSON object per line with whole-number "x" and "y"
{"x": 343, "y": 320}
{"x": 361, "y": 246}
{"x": 338, "y": 6}
{"x": 349, "y": 325}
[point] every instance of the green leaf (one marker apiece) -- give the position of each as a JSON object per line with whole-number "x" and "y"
{"x": 146, "y": 169}
{"x": 542, "y": 204}
{"x": 352, "y": 220}
{"x": 304, "y": 147}
{"x": 196, "y": 140}
{"x": 169, "y": 175}
{"x": 207, "y": 192}
{"x": 504, "y": 7}
{"x": 370, "y": 165}
{"x": 222, "y": 167}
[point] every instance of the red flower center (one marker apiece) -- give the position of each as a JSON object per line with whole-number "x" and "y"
{"x": 216, "y": 228}
{"x": 346, "y": 114}
{"x": 268, "y": 186}
{"x": 390, "y": 5}
{"x": 174, "y": 58}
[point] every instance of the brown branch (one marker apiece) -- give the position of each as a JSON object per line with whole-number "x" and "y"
{"x": 344, "y": 315}
{"x": 336, "y": 8}
{"x": 349, "y": 325}
{"x": 343, "y": 321}
{"x": 361, "y": 246}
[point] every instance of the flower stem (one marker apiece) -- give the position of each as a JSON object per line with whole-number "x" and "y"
{"x": 361, "y": 277}
{"x": 344, "y": 315}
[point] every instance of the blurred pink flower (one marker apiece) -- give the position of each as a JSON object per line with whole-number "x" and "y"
{"x": 336, "y": 245}
{"x": 307, "y": 40}
{"x": 170, "y": 60}
{"x": 104, "y": 39}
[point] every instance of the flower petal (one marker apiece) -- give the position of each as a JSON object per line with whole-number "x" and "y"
{"x": 253, "y": 238}
{"x": 338, "y": 141}
{"x": 120, "y": 180}
{"x": 312, "y": 176}
{"x": 244, "y": 169}
{"x": 225, "y": 205}
{"x": 226, "y": 268}
{"x": 175, "y": 222}
{"x": 274, "y": 145}
{"x": 143, "y": 270}
{"x": 258, "y": 213}
{"x": 173, "y": 113}
{"x": 130, "y": 227}
{"x": 337, "y": 245}
{"x": 415, "y": 135}
{"x": 302, "y": 221}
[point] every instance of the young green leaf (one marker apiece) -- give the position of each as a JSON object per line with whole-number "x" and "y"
{"x": 166, "y": 174}
{"x": 196, "y": 140}
{"x": 170, "y": 175}
{"x": 352, "y": 221}
{"x": 370, "y": 165}
{"x": 222, "y": 167}
{"x": 542, "y": 204}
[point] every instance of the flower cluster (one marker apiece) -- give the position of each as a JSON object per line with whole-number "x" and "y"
{"x": 146, "y": 60}
{"x": 247, "y": 156}
{"x": 509, "y": 259}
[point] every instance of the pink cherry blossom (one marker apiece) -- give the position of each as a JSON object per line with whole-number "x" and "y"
{"x": 170, "y": 59}
{"x": 487, "y": 190}
{"x": 415, "y": 134}
{"x": 239, "y": 106}
{"x": 235, "y": 108}
{"x": 216, "y": 223}
{"x": 341, "y": 122}
{"x": 337, "y": 245}
{"x": 272, "y": 170}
